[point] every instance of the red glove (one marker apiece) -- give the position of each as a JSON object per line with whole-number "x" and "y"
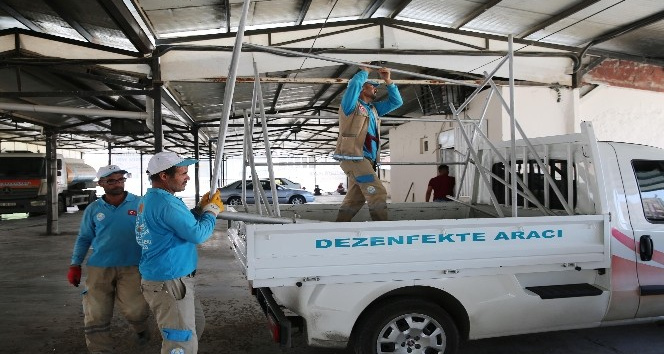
{"x": 74, "y": 275}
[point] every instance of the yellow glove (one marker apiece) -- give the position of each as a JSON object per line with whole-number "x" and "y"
{"x": 212, "y": 204}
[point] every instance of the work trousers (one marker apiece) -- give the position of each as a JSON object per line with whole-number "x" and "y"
{"x": 104, "y": 288}
{"x": 363, "y": 185}
{"x": 178, "y": 312}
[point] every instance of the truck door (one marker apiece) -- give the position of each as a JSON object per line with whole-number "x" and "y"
{"x": 642, "y": 171}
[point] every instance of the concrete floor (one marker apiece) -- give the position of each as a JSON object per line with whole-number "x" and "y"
{"x": 40, "y": 312}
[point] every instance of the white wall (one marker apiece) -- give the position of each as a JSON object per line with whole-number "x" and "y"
{"x": 627, "y": 115}
{"x": 406, "y": 142}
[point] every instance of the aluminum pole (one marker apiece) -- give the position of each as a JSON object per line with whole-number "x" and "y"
{"x": 266, "y": 140}
{"x": 472, "y": 140}
{"x": 73, "y": 111}
{"x": 228, "y": 94}
{"x": 538, "y": 160}
{"x": 485, "y": 179}
{"x": 348, "y": 62}
{"x": 510, "y": 54}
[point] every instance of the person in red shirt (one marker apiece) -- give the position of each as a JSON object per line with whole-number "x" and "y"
{"x": 441, "y": 185}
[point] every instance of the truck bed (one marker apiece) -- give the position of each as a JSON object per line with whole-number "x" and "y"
{"x": 422, "y": 241}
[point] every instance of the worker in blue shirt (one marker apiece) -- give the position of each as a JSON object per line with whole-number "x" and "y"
{"x": 108, "y": 228}
{"x": 168, "y": 233}
{"x": 359, "y": 140}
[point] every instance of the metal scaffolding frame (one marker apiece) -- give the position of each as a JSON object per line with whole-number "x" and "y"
{"x": 472, "y": 155}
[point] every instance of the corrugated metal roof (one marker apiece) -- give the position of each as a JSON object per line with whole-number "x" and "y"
{"x": 405, "y": 33}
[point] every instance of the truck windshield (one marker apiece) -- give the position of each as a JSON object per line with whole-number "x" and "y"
{"x": 22, "y": 167}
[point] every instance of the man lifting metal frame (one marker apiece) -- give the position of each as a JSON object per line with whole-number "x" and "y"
{"x": 514, "y": 181}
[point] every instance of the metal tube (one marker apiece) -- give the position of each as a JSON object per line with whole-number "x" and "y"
{"x": 336, "y": 81}
{"x": 525, "y": 188}
{"x": 348, "y": 62}
{"x": 266, "y": 140}
{"x": 250, "y": 160}
{"x": 472, "y": 140}
{"x": 510, "y": 54}
{"x": 425, "y": 120}
{"x": 547, "y": 176}
{"x": 228, "y": 94}
{"x": 253, "y": 218}
{"x": 73, "y": 111}
{"x": 486, "y": 181}
{"x": 336, "y": 163}
{"x": 257, "y": 184}
{"x": 197, "y": 156}
{"x": 472, "y": 206}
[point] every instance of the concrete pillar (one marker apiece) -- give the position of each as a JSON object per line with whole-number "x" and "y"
{"x": 52, "y": 184}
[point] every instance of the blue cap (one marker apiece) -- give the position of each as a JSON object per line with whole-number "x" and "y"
{"x": 373, "y": 83}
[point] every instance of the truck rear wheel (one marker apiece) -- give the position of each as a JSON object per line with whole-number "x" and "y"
{"x": 408, "y": 326}
{"x": 62, "y": 207}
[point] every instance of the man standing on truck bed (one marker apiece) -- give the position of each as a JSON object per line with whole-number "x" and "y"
{"x": 168, "y": 233}
{"x": 108, "y": 226}
{"x": 441, "y": 185}
{"x": 358, "y": 143}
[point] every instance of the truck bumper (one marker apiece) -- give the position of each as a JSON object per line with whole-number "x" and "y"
{"x": 279, "y": 324}
{"x": 22, "y": 206}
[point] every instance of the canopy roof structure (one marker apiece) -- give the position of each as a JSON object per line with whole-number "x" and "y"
{"x": 109, "y": 73}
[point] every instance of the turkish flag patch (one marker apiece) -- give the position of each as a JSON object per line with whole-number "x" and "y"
{"x": 131, "y": 212}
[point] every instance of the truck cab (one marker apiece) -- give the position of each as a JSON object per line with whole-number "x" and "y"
{"x": 23, "y": 183}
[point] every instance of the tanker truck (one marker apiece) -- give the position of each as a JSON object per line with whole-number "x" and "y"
{"x": 23, "y": 185}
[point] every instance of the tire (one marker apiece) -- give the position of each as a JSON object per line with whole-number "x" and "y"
{"x": 91, "y": 198}
{"x": 409, "y": 326}
{"x": 234, "y": 201}
{"x": 62, "y": 208}
{"x": 297, "y": 199}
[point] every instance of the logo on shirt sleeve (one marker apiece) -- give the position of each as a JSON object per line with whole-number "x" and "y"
{"x": 131, "y": 212}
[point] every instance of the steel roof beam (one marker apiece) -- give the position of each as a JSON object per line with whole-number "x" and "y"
{"x": 139, "y": 60}
{"x": 227, "y": 12}
{"x": 303, "y": 12}
{"x": 120, "y": 14}
{"x": 624, "y": 30}
{"x": 61, "y": 8}
{"x": 398, "y": 8}
{"x": 557, "y": 17}
{"x": 20, "y": 18}
{"x": 475, "y": 13}
{"x": 372, "y": 8}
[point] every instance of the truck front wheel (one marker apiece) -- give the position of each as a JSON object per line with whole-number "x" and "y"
{"x": 409, "y": 326}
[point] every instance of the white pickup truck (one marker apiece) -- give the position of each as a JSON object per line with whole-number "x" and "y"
{"x": 437, "y": 274}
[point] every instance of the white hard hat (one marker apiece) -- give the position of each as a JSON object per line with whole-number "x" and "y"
{"x": 165, "y": 160}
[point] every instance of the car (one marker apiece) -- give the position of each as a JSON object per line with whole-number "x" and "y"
{"x": 231, "y": 194}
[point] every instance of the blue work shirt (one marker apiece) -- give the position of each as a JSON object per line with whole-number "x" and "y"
{"x": 168, "y": 232}
{"x": 110, "y": 232}
{"x": 352, "y": 96}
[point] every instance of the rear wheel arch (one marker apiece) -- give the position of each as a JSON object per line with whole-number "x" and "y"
{"x": 433, "y": 295}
